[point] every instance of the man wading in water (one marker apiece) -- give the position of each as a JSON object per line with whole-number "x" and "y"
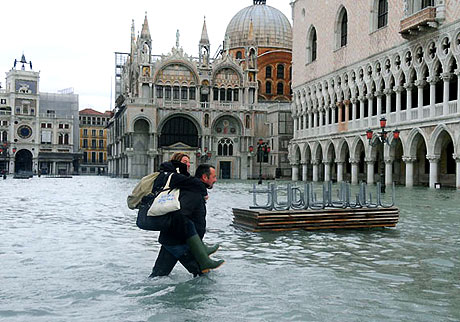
{"x": 182, "y": 241}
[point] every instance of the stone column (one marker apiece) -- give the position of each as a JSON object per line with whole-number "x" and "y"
{"x": 370, "y": 171}
{"x": 388, "y": 93}
{"x": 398, "y": 90}
{"x": 408, "y": 88}
{"x": 346, "y": 105}
{"x": 315, "y": 119}
{"x": 296, "y": 121}
{"x": 353, "y": 108}
{"x": 457, "y": 172}
{"x": 304, "y": 171}
{"x": 434, "y": 160}
{"x": 420, "y": 84}
{"x": 432, "y": 82}
{"x": 315, "y": 170}
{"x": 295, "y": 172}
{"x": 445, "y": 103}
{"x": 340, "y": 106}
{"x": 370, "y": 105}
{"x": 305, "y": 121}
{"x": 388, "y": 172}
{"x": 354, "y": 171}
{"x": 340, "y": 171}
{"x": 409, "y": 161}
{"x": 328, "y": 110}
{"x": 379, "y": 103}
{"x": 327, "y": 171}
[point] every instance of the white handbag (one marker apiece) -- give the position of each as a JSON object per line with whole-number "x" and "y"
{"x": 166, "y": 201}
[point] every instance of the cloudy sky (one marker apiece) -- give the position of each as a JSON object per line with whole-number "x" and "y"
{"x": 72, "y": 43}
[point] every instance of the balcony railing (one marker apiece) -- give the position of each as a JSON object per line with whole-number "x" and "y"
{"x": 415, "y": 23}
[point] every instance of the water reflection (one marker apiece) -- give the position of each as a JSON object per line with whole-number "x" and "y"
{"x": 70, "y": 250}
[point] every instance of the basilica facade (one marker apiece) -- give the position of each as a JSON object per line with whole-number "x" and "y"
{"x": 359, "y": 62}
{"x": 216, "y": 109}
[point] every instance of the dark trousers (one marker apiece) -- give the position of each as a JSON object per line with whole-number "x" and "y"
{"x": 166, "y": 261}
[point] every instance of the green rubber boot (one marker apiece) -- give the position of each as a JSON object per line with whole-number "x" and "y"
{"x": 198, "y": 250}
{"x": 211, "y": 249}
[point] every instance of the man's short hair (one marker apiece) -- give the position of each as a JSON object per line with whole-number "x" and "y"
{"x": 203, "y": 169}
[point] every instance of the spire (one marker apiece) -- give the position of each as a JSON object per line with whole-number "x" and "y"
{"x": 145, "y": 33}
{"x": 204, "y": 34}
{"x": 251, "y": 31}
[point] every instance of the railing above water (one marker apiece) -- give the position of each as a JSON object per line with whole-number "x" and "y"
{"x": 297, "y": 198}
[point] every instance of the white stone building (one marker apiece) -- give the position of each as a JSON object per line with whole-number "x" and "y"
{"x": 355, "y": 62}
{"x": 208, "y": 107}
{"x": 38, "y": 131}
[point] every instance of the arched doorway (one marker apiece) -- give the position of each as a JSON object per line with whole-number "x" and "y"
{"x": 444, "y": 148}
{"x": 23, "y": 161}
{"x": 140, "y": 147}
{"x": 179, "y": 129}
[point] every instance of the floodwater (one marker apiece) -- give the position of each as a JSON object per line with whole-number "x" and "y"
{"x": 70, "y": 251}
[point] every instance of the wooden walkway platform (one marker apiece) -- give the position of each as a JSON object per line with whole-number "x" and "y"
{"x": 263, "y": 220}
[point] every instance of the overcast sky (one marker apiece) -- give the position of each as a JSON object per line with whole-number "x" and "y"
{"x": 72, "y": 43}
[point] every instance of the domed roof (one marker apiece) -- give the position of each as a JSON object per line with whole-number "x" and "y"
{"x": 271, "y": 28}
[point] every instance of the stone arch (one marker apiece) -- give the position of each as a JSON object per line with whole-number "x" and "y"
{"x": 164, "y": 65}
{"x": 141, "y": 118}
{"x": 307, "y": 155}
{"x": 179, "y": 127}
{"x": 410, "y": 147}
{"x": 236, "y": 121}
{"x": 23, "y": 161}
{"x": 296, "y": 154}
{"x": 439, "y": 133}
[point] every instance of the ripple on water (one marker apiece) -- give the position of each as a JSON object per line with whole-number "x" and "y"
{"x": 79, "y": 256}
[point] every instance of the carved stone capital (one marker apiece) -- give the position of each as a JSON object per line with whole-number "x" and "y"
{"x": 420, "y": 83}
{"x": 446, "y": 76}
{"x": 433, "y": 158}
{"x": 409, "y": 159}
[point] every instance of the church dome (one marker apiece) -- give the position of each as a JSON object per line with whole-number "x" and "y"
{"x": 271, "y": 28}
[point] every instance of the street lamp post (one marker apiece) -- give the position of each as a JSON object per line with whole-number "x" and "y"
{"x": 382, "y": 138}
{"x": 263, "y": 149}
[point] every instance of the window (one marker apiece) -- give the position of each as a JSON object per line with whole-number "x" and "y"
{"x": 382, "y": 17}
{"x": 225, "y": 147}
{"x": 239, "y": 55}
{"x": 66, "y": 126}
{"x": 229, "y": 94}
{"x": 159, "y": 90}
{"x": 101, "y": 157}
{"x": 93, "y": 157}
{"x": 343, "y": 28}
{"x": 183, "y": 93}
{"x": 93, "y": 132}
{"x": 312, "y": 48}
{"x": 43, "y": 125}
{"x": 168, "y": 92}
{"x": 85, "y": 143}
{"x": 268, "y": 72}
{"x": 280, "y": 71}
{"x": 66, "y": 138}
{"x": 235, "y": 94}
{"x": 268, "y": 87}
{"x": 192, "y": 93}
{"x": 427, "y": 3}
{"x": 101, "y": 132}
{"x": 216, "y": 94}
{"x": 93, "y": 144}
{"x": 101, "y": 144}
{"x": 61, "y": 126}
{"x": 85, "y": 132}
{"x": 280, "y": 89}
{"x": 285, "y": 124}
{"x": 61, "y": 139}
{"x": 85, "y": 158}
{"x": 49, "y": 125}
{"x": 4, "y": 136}
{"x": 206, "y": 120}
{"x": 222, "y": 94}
{"x": 3, "y": 101}
{"x": 176, "y": 92}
